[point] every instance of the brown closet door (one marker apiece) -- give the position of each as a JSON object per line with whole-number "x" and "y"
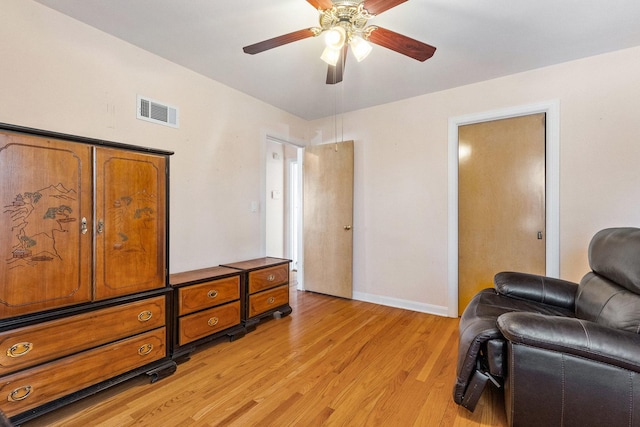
{"x": 130, "y": 218}
{"x": 45, "y": 194}
{"x": 501, "y": 201}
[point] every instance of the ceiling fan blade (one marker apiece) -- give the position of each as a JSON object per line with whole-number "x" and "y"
{"x": 335, "y": 72}
{"x": 278, "y": 41}
{"x": 376, "y": 7}
{"x": 402, "y": 44}
{"x": 321, "y": 4}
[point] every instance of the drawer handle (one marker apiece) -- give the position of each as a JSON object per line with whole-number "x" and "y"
{"x": 145, "y": 349}
{"x": 213, "y": 321}
{"x": 271, "y": 300}
{"x": 19, "y": 393}
{"x": 212, "y": 293}
{"x": 145, "y": 316}
{"x": 19, "y": 349}
{"x": 271, "y": 278}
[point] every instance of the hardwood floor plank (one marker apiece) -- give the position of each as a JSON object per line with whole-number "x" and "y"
{"x": 331, "y": 362}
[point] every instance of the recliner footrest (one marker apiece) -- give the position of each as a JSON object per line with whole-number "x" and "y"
{"x": 474, "y": 390}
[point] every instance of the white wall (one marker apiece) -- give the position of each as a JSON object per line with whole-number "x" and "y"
{"x": 401, "y": 216}
{"x": 58, "y": 74}
{"x": 274, "y": 199}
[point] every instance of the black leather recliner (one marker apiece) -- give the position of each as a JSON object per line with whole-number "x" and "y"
{"x": 566, "y": 354}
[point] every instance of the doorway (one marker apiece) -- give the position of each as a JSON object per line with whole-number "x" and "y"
{"x": 551, "y": 110}
{"x": 281, "y": 198}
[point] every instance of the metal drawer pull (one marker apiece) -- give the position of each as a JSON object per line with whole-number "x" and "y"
{"x": 19, "y": 393}
{"x": 271, "y": 300}
{"x": 212, "y": 293}
{"x": 145, "y": 349}
{"x": 145, "y": 316}
{"x": 83, "y": 225}
{"x": 100, "y": 226}
{"x": 271, "y": 278}
{"x": 19, "y": 349}
{"x": 213, "y": 321}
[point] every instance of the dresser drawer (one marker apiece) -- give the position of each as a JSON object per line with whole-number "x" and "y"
{"x": 264, "y": 301}
{"x": 268, "y": 278}
{"x": 205, "y": 323}
{"x": 33, "y": 387}
{"x": 208, "y": 294}
{"x": 30, "y": 345}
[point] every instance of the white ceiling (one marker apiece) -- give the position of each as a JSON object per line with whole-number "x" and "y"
{"x": 476, "y": 40}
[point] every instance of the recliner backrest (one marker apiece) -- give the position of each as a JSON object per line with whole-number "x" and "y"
{"x": 610, "y": 294}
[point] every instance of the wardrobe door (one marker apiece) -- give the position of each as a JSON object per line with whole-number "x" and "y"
{"x": 130, "y": 222}
{"x": 45, "y": 225}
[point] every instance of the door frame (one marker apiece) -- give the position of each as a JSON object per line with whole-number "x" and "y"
{"x": 552, "y": 186}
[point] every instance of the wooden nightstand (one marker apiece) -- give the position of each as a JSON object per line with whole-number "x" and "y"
{"x": 265, "y": 289}
{"x": 207, "y": 306}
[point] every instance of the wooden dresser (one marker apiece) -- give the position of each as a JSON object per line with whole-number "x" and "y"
{"x": 207, "y": 306}
{"x": 83, "y": 271}
{"x": 265, "y": 286}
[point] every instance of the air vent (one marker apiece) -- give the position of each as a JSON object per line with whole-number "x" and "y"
{"x": 157, "y": 112}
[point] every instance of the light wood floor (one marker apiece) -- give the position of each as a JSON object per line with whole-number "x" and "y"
{"x": 332, "y": 362}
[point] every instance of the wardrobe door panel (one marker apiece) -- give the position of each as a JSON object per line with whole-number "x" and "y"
{"x": 45, "y": 223}
{"x": 130, "y": 222}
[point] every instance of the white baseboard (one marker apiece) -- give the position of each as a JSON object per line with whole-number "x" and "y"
{"x": 438, "y": 310}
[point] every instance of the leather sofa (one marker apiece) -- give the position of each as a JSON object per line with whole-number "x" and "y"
{"x": 564, "y": 353}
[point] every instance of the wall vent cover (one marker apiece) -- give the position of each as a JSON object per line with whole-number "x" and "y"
{"x": 157, "y": 112}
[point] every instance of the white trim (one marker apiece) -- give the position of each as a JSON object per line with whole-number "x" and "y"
{"x": 285, "y": 141}
{"x": 552, "y": 110}
{"x": 437, "y": 310}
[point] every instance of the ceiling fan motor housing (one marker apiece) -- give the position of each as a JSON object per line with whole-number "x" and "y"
{"x": 350, "y": 15}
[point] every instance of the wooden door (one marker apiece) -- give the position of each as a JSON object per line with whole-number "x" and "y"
{"x": 45, "y": 192}
{"x": 328, "y": 218}
{"x": 130, "y": 222}
{"x": 501, "y": 201}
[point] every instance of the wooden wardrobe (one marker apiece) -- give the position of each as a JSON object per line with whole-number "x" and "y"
{"x": 83, "y": 268}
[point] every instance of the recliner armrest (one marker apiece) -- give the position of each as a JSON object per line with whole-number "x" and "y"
{"x": 533, "y": 287}
{"x": 573, "y": 336}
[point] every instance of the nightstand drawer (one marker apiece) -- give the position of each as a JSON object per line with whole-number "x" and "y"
{"x": 268, "y": 278}
{"x": 264, "y": 301}
{"x": 36, "y": 386}
{"x": 208, "y": 294}
{"x": 207, "y": 322}
{"x": 30, "y": 345}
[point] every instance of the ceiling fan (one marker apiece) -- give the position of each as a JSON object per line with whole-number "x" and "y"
{"x": 344, "y": 23}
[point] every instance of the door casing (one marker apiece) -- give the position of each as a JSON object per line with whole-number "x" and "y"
{"x": 552, "y": 155}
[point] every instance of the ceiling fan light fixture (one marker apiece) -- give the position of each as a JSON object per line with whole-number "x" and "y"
{"x": 346, "y": 21}
{"x": 360, "y": 47}
{"x": 335, "y": 37}
{"x": 330, "y": 55}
